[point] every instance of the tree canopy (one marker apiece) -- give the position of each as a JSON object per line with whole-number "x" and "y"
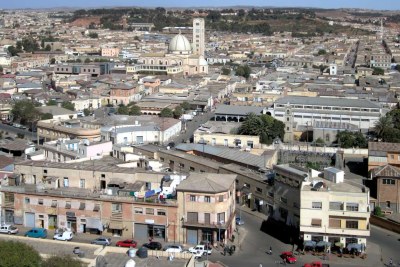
{"x": 178, "y": 111}
{"x": 166, "y": 113}
{"x": 46, "y": 116}
{"x": 243, "y": 70}
{"x": 185, "y": 105}
{"x": 378, "y": 71}
{"x": 62, "y": 261}
{"x": 348, "y": 139}
{"x": 68, "y": 105}
{"x": 387, "y": 128}
{"x": 24, "y": 111}
{"x": 264, "y": 126}
{"x": 14, "y": 254}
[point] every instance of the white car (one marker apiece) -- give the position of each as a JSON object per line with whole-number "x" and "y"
{"x": 8, "y": 229}
{"x": 173, "y": 248}
{"x": 64, "y": 236}
{"x": 203, "y": 249}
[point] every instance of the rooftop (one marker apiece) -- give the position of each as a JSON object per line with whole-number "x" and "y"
{"x": 327, "y": 101}
{"x": 207, "y": 182}
{"x": 238, "y": 110}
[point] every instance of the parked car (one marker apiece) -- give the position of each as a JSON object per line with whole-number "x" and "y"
{"x": 173, "y": 248}
{"x": 8, "y": 229}
{"x": 239, "y": 221}
{"x": 288, "y": 257}
{"x": 36, "y": 233}
{"x": 153, "y": 245}
{"x": 316, "y": 264}
{"x": 102, "y": 241}
{"x": 204, "y": 249}
{"x": 63, "y": 236}
{"x": 128, "y": 243}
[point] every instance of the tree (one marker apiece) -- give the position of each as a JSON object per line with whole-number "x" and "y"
{"x": 18, "y": 254}
{"x": 226, "y": 71}
{"x": 1, "y": 69}
{"x": 47, "y": 48}
{"x": 62, "y": 261}
{"x": 166, "y": 113}
{"x": 378, "y": 71}
{"x": 135, "y": 110}
{"x": 178, "y": 112}
{"x": 319, "y": 141}
{"x": 53, "y": 61}
{"x": 52, "y": 102}
{"x": 68, "y": 105}
{"x": 383, "y": 126}
{"x": 87, "y": 60}
{"x": 86, "y": 112}
{"x": 243, "y": 70}
{"x": 46, "y": 116}
{"x": 13, "y": 51}
{"x": 123, "y": 110}
{"x": 93, "y": 35}
{"x": 185, "y": 105}
{"x": 24, "y": 111}
{"x": 264, "y": 126}
{"x": 321, "y": 52}
{"x": 378, "y": 211}
{"x": 347, "y": 139}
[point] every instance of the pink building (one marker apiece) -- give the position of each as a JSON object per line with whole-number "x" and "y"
{"x": 110, "y": 52}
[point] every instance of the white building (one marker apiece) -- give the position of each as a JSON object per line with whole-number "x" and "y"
{"x": 334, "y": 211}
{"x": 308, "y": 110}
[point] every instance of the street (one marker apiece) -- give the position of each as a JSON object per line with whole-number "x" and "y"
{"x": 12, "y": 131}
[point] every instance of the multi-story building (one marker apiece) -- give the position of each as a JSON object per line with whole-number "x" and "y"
{"x": 206, "y": 207}
{"x": 334, "y": 210}
{"x": 124, "y": 94}
{"x": 199, "y": 36}
{"x": 110, "y": 52}
{"x": 382, "y": 153}
{"x": 307, "y": 110}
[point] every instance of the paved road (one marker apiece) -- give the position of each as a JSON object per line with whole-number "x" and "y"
{"x": 12, "y": 131}
{"x": 191, "y": 126}
{"x": 388, "y": 242}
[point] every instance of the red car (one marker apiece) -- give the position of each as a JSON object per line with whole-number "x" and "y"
{"x": 129, "y": 243}
{"x": 288, "y": 257}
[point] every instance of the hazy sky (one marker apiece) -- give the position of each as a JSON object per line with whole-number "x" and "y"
{"x": 370, "y": 4}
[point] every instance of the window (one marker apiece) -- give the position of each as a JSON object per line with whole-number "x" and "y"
{"x": 334, "y": 223}
{"x": 335, "y": 205}
{"x": 221, "y": 198}
{"x": 162, "y": 159}
{"x": 295, "y": 205}
{"x": 246, "y": 185}
{"x": 138, "y": 210}
{"x": 317, "y": 205}
{"x": 66, "y": 182}
{"x": 388, "y": 181}
{"x": 96, "y": 207}
{"x": 116, "y": 207}
{"x": 192, "y": 217}
{"x": 192, "y": 198}
{"x": 27, "y": 200}
{"x": 283, "y": 200}
{"x": 207, "y": 199}
{"x": 103, "y": 175}
{"x": 191, "y": 169}
{"x": 54, "y": 203}
{"x": 221, "y": 218}
{"x": 352, "y": 224}
{"x": 40, "y": 201}
{"x": 68, "y": 204}
{"x": 316, "y": 222}
{"x": 181, "y": 165}
{"x": 82, "y": 205}
{"x": 207, "y": 218}
{"x": 149, "y": 211}
{"x": 259, "y": 190}
{"x": 271, "y": 194}
{"x": 82, "y": 183}
{"x": 213, "y": 141}
{"x": 352, "y": 206}
{"x": 45, "y": 171}
{"x": 387, "y": 204}
{"x": 161, "y": 212}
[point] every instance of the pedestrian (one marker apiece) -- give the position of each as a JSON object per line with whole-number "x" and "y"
{"x": 270, "y": 250}
{"x": 391, "y": 262}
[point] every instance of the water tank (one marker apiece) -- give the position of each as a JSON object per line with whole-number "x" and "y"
{"x": 142, "y": 253}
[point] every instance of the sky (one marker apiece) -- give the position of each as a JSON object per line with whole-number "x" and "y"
{"x": 367, "y": 4}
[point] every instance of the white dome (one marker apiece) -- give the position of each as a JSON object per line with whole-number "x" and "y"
{"x": 179, "y": 45}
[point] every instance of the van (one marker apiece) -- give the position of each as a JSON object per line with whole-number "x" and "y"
{"x": 36, "y": 233}
{"x": 8, "y": 229}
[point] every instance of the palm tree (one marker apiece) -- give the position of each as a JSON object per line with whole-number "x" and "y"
{"x": 383, "y": 126}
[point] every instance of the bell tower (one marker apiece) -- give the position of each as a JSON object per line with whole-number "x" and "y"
{"x": 288, "y": 121}
{"x": 199, "y": 36}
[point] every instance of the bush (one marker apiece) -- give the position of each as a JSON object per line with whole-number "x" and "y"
{"x": 378, "y": 212}
{"x": 62, "y": 261}
{"x": 14, "y": 254}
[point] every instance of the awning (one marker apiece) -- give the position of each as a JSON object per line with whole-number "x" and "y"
{"x": 94, "y": 223}
{"x": 115, "y": 225}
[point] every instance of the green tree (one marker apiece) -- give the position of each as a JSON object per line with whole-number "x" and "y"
{"x": 68, "y": 105}
{"x": 178, "y": 111}
{"x": 123, "y": 110}
{"x": 378, "y": 71}
{"x": 347, "y": 139}
{"x": 93, "y": 35}
{"x": 383, "y": 126}
{"x": 13, "y": 51}
{"x": 319, "y": 141}
{"x": 243, "y": 70}
{"x": 24, "y": 111}
{"x": 51, "y": 102}
{"x": 226, "y": 71}
{"x": 135, "y": 110}
{"x": 47, "y": 48}
{"x": 166, "y": 113}
{"x": 321, "y": 52}
{"x": 53, "y": 61}
{"x": 264, "y": 126}
{"x": 87, "y": 60}
{"x": 46, "y": 116}
{"x": 185, "y": 105}
{"x": 86, "y": 112}
{"x": 378, "y": 211}
{"x": 14, "y": 254}
{"x": 62, "y": 261}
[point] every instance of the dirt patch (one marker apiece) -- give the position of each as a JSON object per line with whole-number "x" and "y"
{"x": 85, "y": 22}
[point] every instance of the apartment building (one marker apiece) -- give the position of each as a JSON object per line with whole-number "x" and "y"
{"x": 334, "y": 210}
{"x": 206, "y": 207}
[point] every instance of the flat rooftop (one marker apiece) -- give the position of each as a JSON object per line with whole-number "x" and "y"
{"x": 346, "y": 186}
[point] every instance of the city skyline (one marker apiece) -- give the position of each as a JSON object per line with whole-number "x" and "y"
{"x": 362, "y": 4}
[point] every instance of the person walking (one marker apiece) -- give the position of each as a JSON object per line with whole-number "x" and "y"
{"x": 270, "y": 250}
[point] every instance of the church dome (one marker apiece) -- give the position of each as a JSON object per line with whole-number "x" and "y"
{"x": 179, "y": 45}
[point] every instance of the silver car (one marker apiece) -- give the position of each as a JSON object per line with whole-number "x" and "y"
{"x": 102, "y": 241}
